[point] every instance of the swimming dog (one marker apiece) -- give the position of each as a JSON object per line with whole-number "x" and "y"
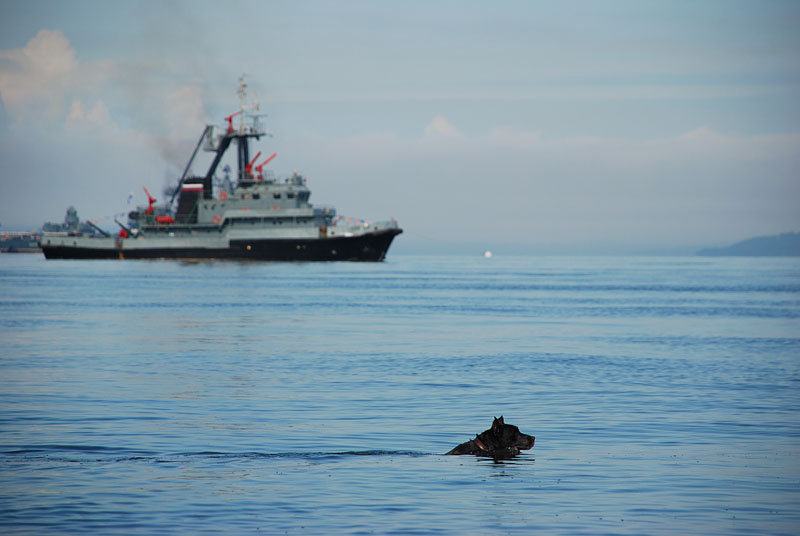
{"x": 500, "y": 441}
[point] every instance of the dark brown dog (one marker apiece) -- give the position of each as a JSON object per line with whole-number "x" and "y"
{"x": 500, "y": 441}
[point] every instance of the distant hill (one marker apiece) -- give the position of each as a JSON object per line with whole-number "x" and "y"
{"x": 782, "y": 245}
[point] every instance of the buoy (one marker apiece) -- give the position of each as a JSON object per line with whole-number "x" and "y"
{"x": 487, "y": 254}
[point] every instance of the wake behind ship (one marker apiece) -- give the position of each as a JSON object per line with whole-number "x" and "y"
{"x": 258, "y": 217}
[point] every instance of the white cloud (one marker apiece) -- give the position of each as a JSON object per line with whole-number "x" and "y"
{"x": 47, "y": 56}
{"x": 37, "y": 81}
{"x": 32, "y": 79}
{"x": 79, "y": 117}
{"x": 441, "y": 128}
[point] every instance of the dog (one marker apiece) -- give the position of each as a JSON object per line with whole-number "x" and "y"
{"x": 500, "y": 441}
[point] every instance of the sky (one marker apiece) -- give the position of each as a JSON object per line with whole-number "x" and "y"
{"x": 526, "y": 126}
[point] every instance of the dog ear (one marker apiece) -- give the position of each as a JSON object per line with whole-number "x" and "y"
{"x": 497, "y": 424}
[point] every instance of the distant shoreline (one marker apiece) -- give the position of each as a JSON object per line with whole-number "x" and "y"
{"x": 782, "y": 245}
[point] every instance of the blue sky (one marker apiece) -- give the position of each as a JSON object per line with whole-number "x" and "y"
{"x": 546, "y": 126}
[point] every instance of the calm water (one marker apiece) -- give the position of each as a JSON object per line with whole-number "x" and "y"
{"x": 238, "y": 398}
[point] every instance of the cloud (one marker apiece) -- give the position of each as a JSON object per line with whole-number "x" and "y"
{"x": 44, "y": 85}
{"x": 78, "y": 116}
{"x": 32, "y": 79}
{"x": 37, "y": 81}
{"x": 441, "y": 128}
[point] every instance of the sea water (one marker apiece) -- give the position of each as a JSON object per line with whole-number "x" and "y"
{"x": 160, "y": 397}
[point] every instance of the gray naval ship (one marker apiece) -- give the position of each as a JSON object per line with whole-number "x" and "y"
{"x": 28, "y": 241}
{"x": 19, "y": 242}
{"x": 259, "y": 217}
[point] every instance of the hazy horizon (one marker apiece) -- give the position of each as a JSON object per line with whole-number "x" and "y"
{"x": 569, "y": 127}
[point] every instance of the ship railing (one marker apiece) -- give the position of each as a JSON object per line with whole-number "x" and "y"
{"x": 58, "y": 233}
{"x": 352, "y": 224}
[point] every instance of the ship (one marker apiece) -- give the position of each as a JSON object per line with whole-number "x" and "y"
{"x": 19, "y": 242}
{"x": 28, "y": 241}
{"x": 256, "y": 216}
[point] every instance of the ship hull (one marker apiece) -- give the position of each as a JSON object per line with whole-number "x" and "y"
{"x": 369, "y": 247}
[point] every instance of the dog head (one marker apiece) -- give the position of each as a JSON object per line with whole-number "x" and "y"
{"x": 502, "y": 437}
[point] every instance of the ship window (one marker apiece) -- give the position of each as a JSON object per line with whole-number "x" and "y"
{"x": 256, "y": 196}
{"x": 290, "y": 195}
{"x": 276, "y": 195}
{"x": 245, "y": 196}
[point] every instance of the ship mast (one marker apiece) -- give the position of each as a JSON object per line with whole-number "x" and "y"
{"x": 249, "y": 127}
{"x": 246, "y": 110}
{"x": 242, "y": 92}
{"x": 243, "y": 145}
